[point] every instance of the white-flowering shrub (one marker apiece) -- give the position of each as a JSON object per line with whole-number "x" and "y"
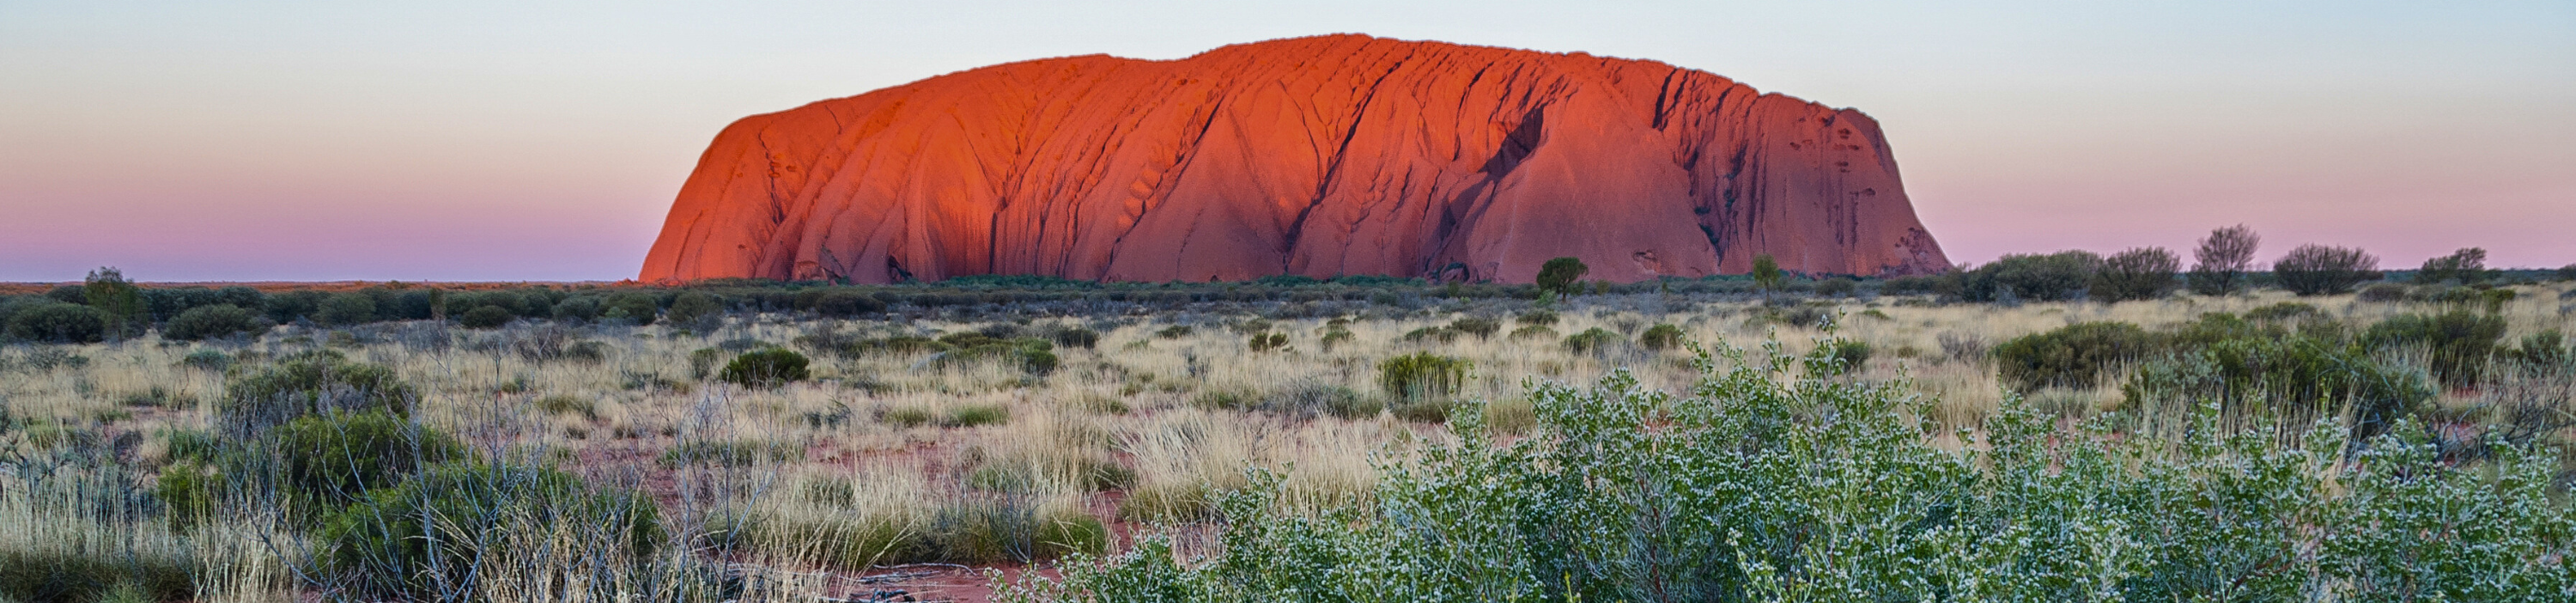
{"x": 1760, "y": 486}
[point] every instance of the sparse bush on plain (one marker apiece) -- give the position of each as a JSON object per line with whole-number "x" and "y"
{"x": 2460, "y": 341}
{"x": 430, "y": 535}
{"x": 2323, "y": 270}
{"x": 2074, "y": 356}
{"x": 58, "y": 323}
{"x": 312, "y": 383}
{"x": 211, "y": 322}
{"x": 2222, "y": 259}
{"x": 2136, "y": 274}
{"x": 1593, "y": 341}
{"x": 2060, "y": 276}
{"x": 486, "y": 317}
{"x": 344, "y": 309}
{"x": 765, "y": 368}
{"x": 1661, "y": 337}
{"x": 1475, "y": 325}
{"x": 1422, "y": 376}
{"x": 2464, "y": 267}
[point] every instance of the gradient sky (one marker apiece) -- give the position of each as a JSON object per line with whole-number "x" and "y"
{"x": 471, "y": 140}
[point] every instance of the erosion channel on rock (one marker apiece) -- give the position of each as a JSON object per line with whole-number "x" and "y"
{"x": 1323, "y": 156}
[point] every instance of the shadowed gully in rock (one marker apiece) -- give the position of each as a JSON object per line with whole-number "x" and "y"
{"x": 1322, "y": 156}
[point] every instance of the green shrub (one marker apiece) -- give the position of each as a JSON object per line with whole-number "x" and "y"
{"x": 486, "y": 317}
{"x": 985, "y": 531}
{"x": 837, "y": 303}
{"x": 205, "y": 322}
{"x": 1334, "y": 336}
{"x": 2060, "y": 276}
{"x": 2460, "y": 341}
{"x": 2074, "y": 356}
{"x": 906, "y": 416}
{"x": 1075, "y": 337}
{"x": 1477, "y": 326}
{"x": 632, "y": 308}
{"x": 213, "y": 361}
{"x": 430, "y": 534}
{"x": 730, "y": 453}
{"x": 2267, "y": 374}
{"x": 2135, "y": 274}
{"x": 1533, "y": 332}
{"x": 1765, "y": 485}
{"x": 2322, "y": 270}
{"x": 695, "y": 310}
{"x": 58, "y": 323}
{"x": 2466, "y": 267}
{"x": 976, "y": 415}
{"x": 560, "y": 405}
{"x": 309, "y": 384}
{"x": 765, "y": 368}
{"x": 1173, "y": 332}
{"x": 344, "y": 309}
{"x": 1267, "y": 342}
{"x": 577, "y": 309}
{"x": 333, "y": 459}
{"x": 1560, "y": 274}
{"x": 1422, "y": 376}
{"x": 1431, "y": 335}
{"x": 2222, "y": 258}
{"x": 2385, "y": 293}
{"x": 1592, "y": 341}
{"x": 1846, "y": 355}
{"x": 1536, "y": 318}
{"x": 1661, "y": 337}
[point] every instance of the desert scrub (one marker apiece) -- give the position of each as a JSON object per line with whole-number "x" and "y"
{"x": 1771, "y": 483}
{"x": 730, "y": 453}
{"x": 1661, "y": 337}
{"x": 1422, "y": 376}
{"x": 770, "y": 367}
{"x": 2074, "y": 356}
{"x": 211, "y": 322}
{"x": 442, "y": 533}
{"x": 328, "y": 461}
{"x": 308, "y": 383}
{"x": 1593, "y": 341}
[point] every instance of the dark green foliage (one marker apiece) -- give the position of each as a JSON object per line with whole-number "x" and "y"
{"x": 1947, "y": 284}
{"x": 486, "y": 317}
{"x": 730, "y": 453}
{"x": 1536, "y": 318}
{"x": 2135, "y": 274}
{"x": 765, "y": 368}
{"x": 207, "y": 360}
{"x": 838, "y": 302}
{"x": 2566, "y": 273}
{"x": 631, "y": 308}
{"x": 1766, "y": 272}
{"x": 577, "y": 309}
{"x": 427, "y": 535}
{"x": 1422, "y": 376}
{"x": 2322, "y": 270}
{"x": 58, "y": 323}
{"x": 1592, "y": 341}
{"x": 2464, "y": 267}
{"x": 2058, "y": 276}
{"x": 211, "y": 322}
{"x": 1434, "y": 334}
{"x": 1533, "y": 332}
{"x": 1843, "y": 355}
{"x": 1267, "y": 342}
{"x": 1560, "y": 274}
{"x": 308, "y": 384}
{"x": 119, "y": 303}
{"x": 1661, "y": 337}
{"x": 344, "y": 309}
{"x": 69, "y": 294}
{"x": 1478, "y": 326}
{"x": 696, "y": 310}
{"x": 1075, "y": 337}
{"x": 1173, "y": 332}
{"x": 332, "y": 459}
{"x": 1838, "y": 286}
{"x": 2545, "y": 351}
{"x": 2460, "y": 341}
{"x": 2271, "y": 374}
{"x": 2074, "y": 356}
{"x": 976, "y": 415}
{"x": 2284, "y": 312}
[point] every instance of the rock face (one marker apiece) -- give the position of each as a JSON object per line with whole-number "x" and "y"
{"x": 1323, "y": 156}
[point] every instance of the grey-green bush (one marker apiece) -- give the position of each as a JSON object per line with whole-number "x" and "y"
{"x": 58, "y": 323}
{"x": 765, "y": 368}
{"x": 2073, "y": 356}
{"x": 426, "y": 537}
{"x": 306, "y": 384}
{"x": 210, "y": 322}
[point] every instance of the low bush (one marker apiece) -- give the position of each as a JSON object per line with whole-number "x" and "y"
{"x": 213, "y": 361}
{"x": 1075, "y": 337}
{"x": 976, "y": 415}
{"x": 1033, "y": 355}
{"x": 2459, "y": 342}
{"x": 2323, "y": 270}
{"x": 1536, "y": 318}
{"x": 2284, "y": 376}
{"x": 58, "y": 323}
{"x": 345, "y": 309}
{"x": 1533, "y": 333}
{"x": 765, "y": 368}
{"x": 307, "y": 384}
{"x": 1422, "y": 376}
{"x": 1477, "y": 326}
{"x": 2385, "y": 293}
{"x": 1429, "y": 335}
{"x": 2058, "y": 276}
{"x": 2074, "y": 356}
{"x": 486, "y": 317}
{"x": 1845, "y": 355}
{"x": 331, "y": 460}
{"x": 433, "y": 537}
{"x": 631, "y": 308}
{"x": 838, "y": 303}
{"x": 211, "y": 322}
{"x": 730, "y": 453}
{"x": 1661, "y": 337}
{"x": 696, "y": 311}
{"x": 1593, "y": 341}
{"x": 564, "y": 405}
{"x": 2135, "y": 274}
{"x": 1267, "y": 342}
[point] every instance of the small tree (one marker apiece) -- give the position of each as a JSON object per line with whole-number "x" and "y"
{"x": 696, "y": 311}
{"x": 2322, "y": 270}
{"x": 1766, "y": 273}
{"x": 1559, "y": 275}
{"x": 119, "y": 303}
{"x": 2141, "y": 273}
{"x": 2467, "y": 266}
{"x": 2223, "y": 258}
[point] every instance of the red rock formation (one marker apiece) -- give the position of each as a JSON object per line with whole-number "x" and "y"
{"x": 1317, "y": 156}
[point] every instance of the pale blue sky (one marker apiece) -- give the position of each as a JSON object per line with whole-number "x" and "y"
{"x": 471, "y": 140}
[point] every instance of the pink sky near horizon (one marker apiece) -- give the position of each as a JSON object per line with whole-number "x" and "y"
{"x": 503, "y": 141}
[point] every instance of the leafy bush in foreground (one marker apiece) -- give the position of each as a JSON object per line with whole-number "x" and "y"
{"x": 442, "y": 532}
{"x": 310, "y": 383}
{"x": 1761, "y": 487}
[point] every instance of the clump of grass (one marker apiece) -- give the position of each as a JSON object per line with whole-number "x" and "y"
{"x": 730, "y": 453}
{"x": 1422, "y": 376}
{"x": 770, "y": 367}
{"x": 976, "y": 415}
{"x": 562, "y": 405}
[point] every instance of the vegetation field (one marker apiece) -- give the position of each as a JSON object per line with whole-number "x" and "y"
{"x": 1977, "y": 436}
